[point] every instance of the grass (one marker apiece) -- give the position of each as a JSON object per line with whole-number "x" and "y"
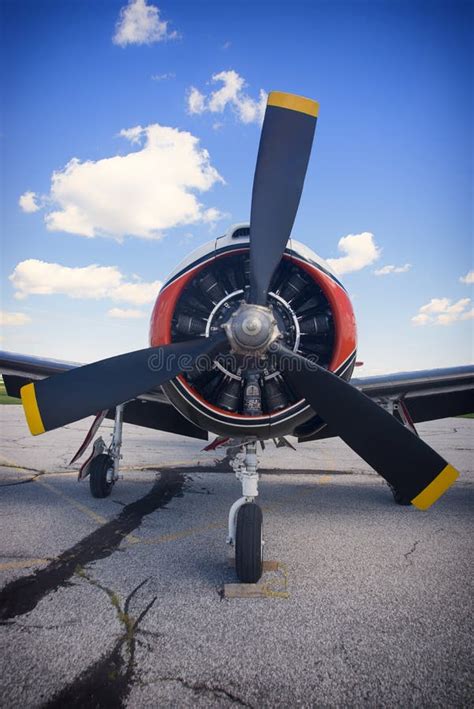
{"x": 4, "y": 398}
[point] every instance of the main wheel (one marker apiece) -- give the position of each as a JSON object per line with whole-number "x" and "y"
{"x": 248, "y": 543}
{"x": 99, "y": 485}
{"x": 399, "y": 497}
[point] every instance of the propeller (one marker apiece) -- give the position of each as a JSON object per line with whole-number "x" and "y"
{"x": 397, "y": 454}
{"x": 400, "y": 457}
{"x": 82, "y": 391}
{"x": 285, "y": 146}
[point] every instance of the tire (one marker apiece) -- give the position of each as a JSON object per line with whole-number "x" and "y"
{"x": 399, "y": 497}
{"x": 98, "y": 484}
{"x": 248, "y": 543}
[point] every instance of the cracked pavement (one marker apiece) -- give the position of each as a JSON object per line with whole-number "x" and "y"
{"x": 118, "y": 602}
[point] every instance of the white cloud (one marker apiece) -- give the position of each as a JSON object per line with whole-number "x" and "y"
{"x": 468, "y": 278}
{"x": 231, "y": 93}
{"x": 29, "y": 202}
{"x": 15, "y": 319}
{"x": 137, "y": 293}
{"x": 134, "y": 135}
{"x": 34, "y": 277}
{"x": 359, "y": 250}
{"x": 163, "y": 77}
{"x": 140, "y": 23}
{"x": 385, "y": 270}
{"x": 231, "y": 89}
{"x": 440, "y": 311}
{"x": 125, "y": 313}
{"x": 141, "y": 193}
{"x": 421, "y": 319}
{"x": 251, "y": 111}
{"x": 196, "y": 101}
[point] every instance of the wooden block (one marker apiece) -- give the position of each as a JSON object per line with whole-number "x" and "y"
{"x": 268, "y": 565}
{"x": 245, "y": 590}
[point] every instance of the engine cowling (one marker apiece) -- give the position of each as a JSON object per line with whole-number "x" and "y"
{"x": 312, "y": 312}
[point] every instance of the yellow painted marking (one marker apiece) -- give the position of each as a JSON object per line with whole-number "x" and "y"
{"x": 82, "y": 508}
{"x": 28, "y": 471}
{"x": 200, "y": 468}
{"x": 62, "y": 474}
{"x": 436, "y": 488}
{"x": 299, "y": 491}
{"x": 164, "y": 538}
{"x": 30, "y": 406}
{"x": 23, "y": 564}
{"x": 293, "y": 103}
{"x": 19, "y": 469}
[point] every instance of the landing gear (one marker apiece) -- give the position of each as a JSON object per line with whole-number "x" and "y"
{"x": 245, "y": 516}
{"x": 102, "y": 466}
{"x": 101, "y": 475}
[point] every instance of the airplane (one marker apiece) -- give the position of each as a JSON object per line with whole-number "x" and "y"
{"x": 253, "y": 338}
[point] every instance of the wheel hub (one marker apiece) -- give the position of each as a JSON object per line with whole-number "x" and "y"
{"x": 251, "y": 329}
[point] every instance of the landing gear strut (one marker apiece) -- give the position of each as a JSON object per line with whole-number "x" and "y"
{"x": 104, "y": 468}
{"x": 245, "y": 516}
{"x": 397, "y": 407}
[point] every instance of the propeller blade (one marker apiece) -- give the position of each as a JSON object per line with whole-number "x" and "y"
{"x": 397, "y": 454}
{"x": 83, "y": 391}
{"x": 283, "y": 154}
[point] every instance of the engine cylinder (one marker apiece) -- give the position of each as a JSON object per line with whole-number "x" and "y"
{"x": 229, "y": 396}
{"x": 275, "y": 397}
{"x": 210, "y": 286}
{"x": 315, "y": 325}
{"x": 294, "y": 287}
{"x": 188, "y": 325}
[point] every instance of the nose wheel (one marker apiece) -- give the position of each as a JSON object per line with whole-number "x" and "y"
{"x": 245, "y": 517}
{"x": 249, "y": 543}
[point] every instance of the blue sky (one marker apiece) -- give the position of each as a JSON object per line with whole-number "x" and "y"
{"x": 391, "y": 163}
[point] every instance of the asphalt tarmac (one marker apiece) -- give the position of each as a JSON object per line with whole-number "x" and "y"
{"x": 119, "y": 602}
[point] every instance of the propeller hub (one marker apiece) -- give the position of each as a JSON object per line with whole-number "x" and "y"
{"x": 251, "y": 325}
{"x": 251, "y": 329}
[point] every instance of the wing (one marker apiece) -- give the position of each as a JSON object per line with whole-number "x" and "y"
{"x": 151, "y": 410}
{"x": 414, "y": 396}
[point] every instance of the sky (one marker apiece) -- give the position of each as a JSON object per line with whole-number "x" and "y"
{"x": 129, "y": 137}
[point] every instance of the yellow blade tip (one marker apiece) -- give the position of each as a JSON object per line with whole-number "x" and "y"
{"x": 30, "y": 407}
{"x": 436, "y": 488}
{"x": 293, "y": 103}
